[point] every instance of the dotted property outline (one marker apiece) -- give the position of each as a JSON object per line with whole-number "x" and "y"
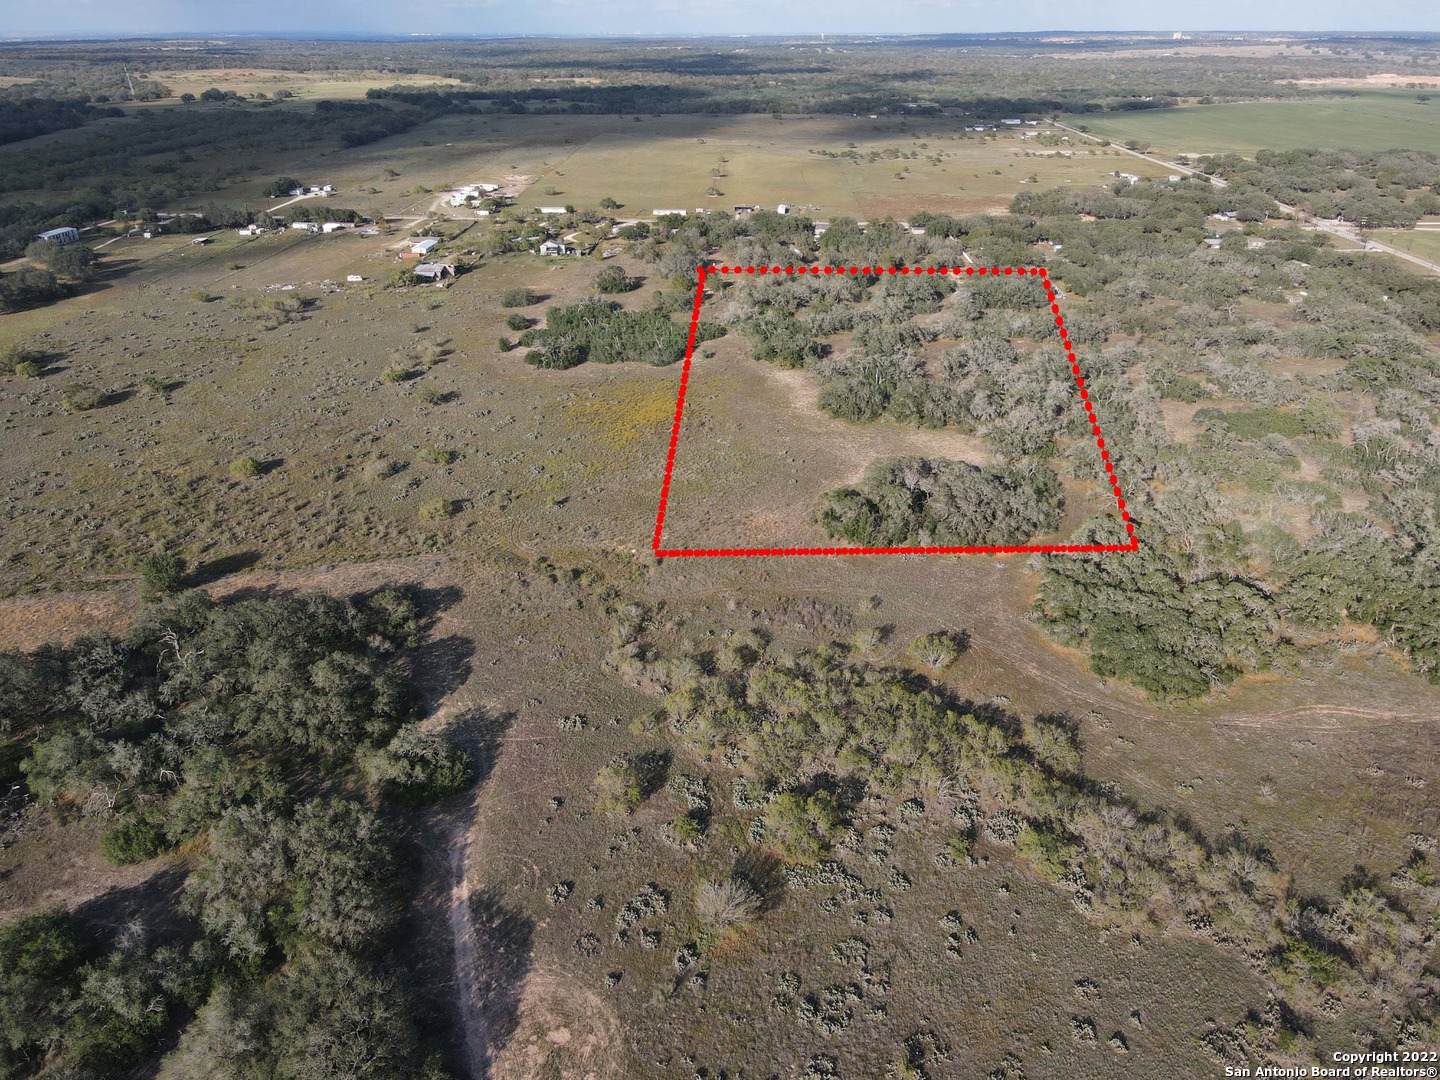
{"x": 1031, "y": 271}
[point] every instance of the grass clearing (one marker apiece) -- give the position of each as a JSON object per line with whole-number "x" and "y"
{"x": 666, "y": 162}
{"x": 316, "y": 85}
{"x": 628, "y": 417}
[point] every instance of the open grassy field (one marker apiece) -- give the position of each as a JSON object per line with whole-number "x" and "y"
{"x": 658, "y": 162}
{"x": 313, "y": 85}
{"x": 667, "y": 162}
{"x": 1360, "y": 119}
{"x": 1422, "y": 242}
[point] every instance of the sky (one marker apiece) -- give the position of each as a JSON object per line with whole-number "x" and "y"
{"x": 671, "y": 17}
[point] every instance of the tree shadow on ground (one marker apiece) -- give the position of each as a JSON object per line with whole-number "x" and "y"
{"x": 504, "y": 939}
{"x": 115, "y": 397}
{"x": 148, "y": 911}
{"x": 482, "y": 736}
{"x": 215, "y": 569}
{"x": 439, "y": 667}
{"x": 434, "y": 601}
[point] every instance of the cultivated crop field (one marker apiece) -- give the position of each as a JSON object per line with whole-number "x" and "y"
{"x": 1357, "y": 119}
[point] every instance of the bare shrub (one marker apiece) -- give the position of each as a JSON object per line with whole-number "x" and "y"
{"x": 723, "y": 904}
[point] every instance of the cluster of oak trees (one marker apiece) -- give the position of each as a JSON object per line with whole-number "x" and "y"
{"x": 1389, "y": 189}
{"x": 268, "y": 739}
{"x": 919, "y": 501}
{"x": 1217, "y": 595}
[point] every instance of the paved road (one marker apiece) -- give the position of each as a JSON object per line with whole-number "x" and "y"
{"x": 1183, "y": 170}
{"x": 1333, "y": 228}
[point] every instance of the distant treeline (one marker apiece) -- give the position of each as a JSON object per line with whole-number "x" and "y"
{"x": 113, "y": 165}
{"x": 27, "y": 117}
{"x": 726, "y": 98}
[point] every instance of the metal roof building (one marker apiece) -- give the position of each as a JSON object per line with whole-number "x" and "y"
{"x": 63, "y": 235}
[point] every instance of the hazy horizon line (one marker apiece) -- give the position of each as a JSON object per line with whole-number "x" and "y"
{"x": 396, "y": 36}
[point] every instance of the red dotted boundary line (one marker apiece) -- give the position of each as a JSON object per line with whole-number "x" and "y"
{"x": 1038, "y": 272}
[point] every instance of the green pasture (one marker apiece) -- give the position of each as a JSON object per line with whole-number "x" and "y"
{"x": 1422, "y": 242}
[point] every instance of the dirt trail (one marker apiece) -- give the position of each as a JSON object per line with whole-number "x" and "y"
{"x": 1308, "y": 718}
{"x": 467, "y": 953}
{"x": 517, "y": 1021}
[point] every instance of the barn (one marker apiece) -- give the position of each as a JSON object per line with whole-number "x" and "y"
{"x": 63, "y": 235}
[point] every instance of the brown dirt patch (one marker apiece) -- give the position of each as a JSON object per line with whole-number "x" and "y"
{"x": 565, "y": 1033}
{"x": 54, "y": 865}
{"x": 1386, "y": 79}
{"x": 27, "y": 622}
{"x": 902, "y": 205}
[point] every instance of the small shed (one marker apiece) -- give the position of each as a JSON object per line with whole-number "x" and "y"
{"x": 434, "y": 271}
{"x": 424, "y": 247}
